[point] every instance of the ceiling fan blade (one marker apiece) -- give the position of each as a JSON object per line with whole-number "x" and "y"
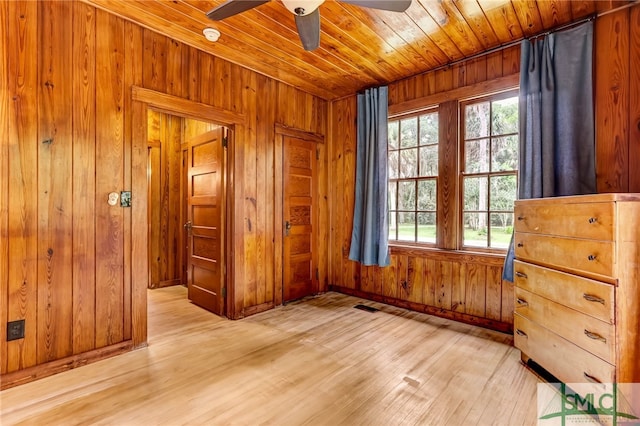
{"x": 233, "y": 7}
{"x": 392, "y": 5}
{"x": 309, "y": 29}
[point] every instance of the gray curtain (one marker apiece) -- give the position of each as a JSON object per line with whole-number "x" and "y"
{"x": 370, "y": 235}
{"x": 557, "y": 142}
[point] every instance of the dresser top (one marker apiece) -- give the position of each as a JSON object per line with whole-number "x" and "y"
{"x": 591, "y": 198}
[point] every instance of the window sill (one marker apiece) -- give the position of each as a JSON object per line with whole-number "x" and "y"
{"x": 492, "y": 259}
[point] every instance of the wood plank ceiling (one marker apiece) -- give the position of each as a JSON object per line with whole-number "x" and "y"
{"x": 359, "y": 47}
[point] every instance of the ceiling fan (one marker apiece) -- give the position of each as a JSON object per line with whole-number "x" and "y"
{"x": 306, "y": 12}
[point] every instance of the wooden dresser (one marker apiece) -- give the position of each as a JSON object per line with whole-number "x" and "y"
{"x": 577, "y": 286}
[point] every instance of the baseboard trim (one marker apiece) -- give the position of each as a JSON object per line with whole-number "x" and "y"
{"x": 36, "y": 372}
{"x": 431, "y": 310}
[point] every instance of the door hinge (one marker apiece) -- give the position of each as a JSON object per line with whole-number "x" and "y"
{"x": 224, "y": 292}
{"x": 317, "y": 153}
{"x": 225, "y": 142}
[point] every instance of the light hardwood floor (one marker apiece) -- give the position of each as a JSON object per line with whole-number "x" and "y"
{"x": 315, "y": 362}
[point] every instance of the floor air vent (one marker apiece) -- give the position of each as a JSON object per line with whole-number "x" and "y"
{"x": 366, "y": 308}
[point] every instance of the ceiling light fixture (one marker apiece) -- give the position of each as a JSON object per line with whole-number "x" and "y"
{"x": 211, "y": 34}
{"x": 302, "y": 7}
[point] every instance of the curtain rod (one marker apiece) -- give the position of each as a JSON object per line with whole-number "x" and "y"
{"x": 518, "y": 41}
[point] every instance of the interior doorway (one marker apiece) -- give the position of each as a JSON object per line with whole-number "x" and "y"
{"x": 186, "y": 207}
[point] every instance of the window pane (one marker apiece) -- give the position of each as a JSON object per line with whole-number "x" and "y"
{"x": 427, "y": 195}
{"x": 407, "y": 226}
{"x": 475, "y": 229}
{"x": 393, "y": 165}
{"x": 409, "y": 162}
{"x": 505, "y": 116}
{"x": 393, "y": 134}
{"x": 427, "y": 227}
{"x": 501, "y": 229}
{"x": 407, "y": 195}
{"x": 393, "y": 225}
{"x": 476, "y": 156}
{"x": 429, "y": 129}
{"x": 503, "y": 192}
{"x": 476, "y": 120}
{"x": 504, "y": 154}
{"x": 409, "y": 132}
{"x": 429, "y": 160}
{"x": 393, "y": 196}
{"x": 475, "y": 194}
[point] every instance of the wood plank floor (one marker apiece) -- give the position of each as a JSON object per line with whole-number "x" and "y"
{"x": 314, "y": 362}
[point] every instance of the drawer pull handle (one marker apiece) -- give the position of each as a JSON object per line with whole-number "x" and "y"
{"x": 521, "y": 333}
{"x": 592, "y": 298}
{"x": 592, "y": 257}
{"x": 520, "y": 217}
{"x": 520, "y": 244}
{"x": 595, "y": 336}
{"x": 590, "y": 378}
{"x": 593, "y": 219}
{"x": 522, "y": 302}
{"x": 521, "y": 274}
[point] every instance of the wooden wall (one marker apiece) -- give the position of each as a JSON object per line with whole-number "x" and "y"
{"x": 617, "y": 70}
{"x": 465, "y": 286}
{"x": 65, "y": 254}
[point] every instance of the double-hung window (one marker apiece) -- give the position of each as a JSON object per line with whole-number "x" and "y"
{"x": 413, "y": 177}
{"x": 489, "y": 170}
{"x": 456, "y": 193}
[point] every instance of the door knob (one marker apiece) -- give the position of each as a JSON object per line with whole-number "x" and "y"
{"x": 287, "y": 228}
{"x": 188, "y": 226}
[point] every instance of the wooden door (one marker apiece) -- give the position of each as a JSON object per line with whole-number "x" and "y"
{"x": 299, "y": 221}
{"x": 205, "y": 202}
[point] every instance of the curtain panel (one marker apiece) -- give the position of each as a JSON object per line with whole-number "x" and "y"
{"x": 557, "y": 135}
{"x": 370, "y": 234}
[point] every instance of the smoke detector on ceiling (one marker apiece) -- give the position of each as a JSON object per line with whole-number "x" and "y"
{"x": 211, "y": 34}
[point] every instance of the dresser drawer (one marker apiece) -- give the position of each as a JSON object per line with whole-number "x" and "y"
{"x": 587, "y": 220}
{"x": 595, "y": 258}
{"x": 593, "y": 335}
{"x": 566, "y": 361}
{"x": 590, "y": 297}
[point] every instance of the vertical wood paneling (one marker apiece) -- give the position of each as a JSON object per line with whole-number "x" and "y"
{"x": 493, "y": 296}
{"x": 458, "y": 287}
{"x": 336, "y": 118}
{"x": 135, "y": 175}
{"x": 476, "y": 290}
{"x": 207, "y": 78}
{"x": 4, "y": 179}
{"x": 55, "y": 199}
{"x": 110, "y": 148}
{"x": 155, "y": 60}
{"x": 84, "y": 166}
{"x": 266, "y": 187}
{"x": 175, "y": 69}
{"x": 442, "y": 280}
{"x": 348, "y": 138}
{"x": 22, "y": 180}
{"x": 174, "y": 264}
{"x": 431, "y": 276}
{"x": 634, "y": 102}
{"x": 250, "y": 197}
{"x": 612, "y": 95}
{"x": 193, "y": 76}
